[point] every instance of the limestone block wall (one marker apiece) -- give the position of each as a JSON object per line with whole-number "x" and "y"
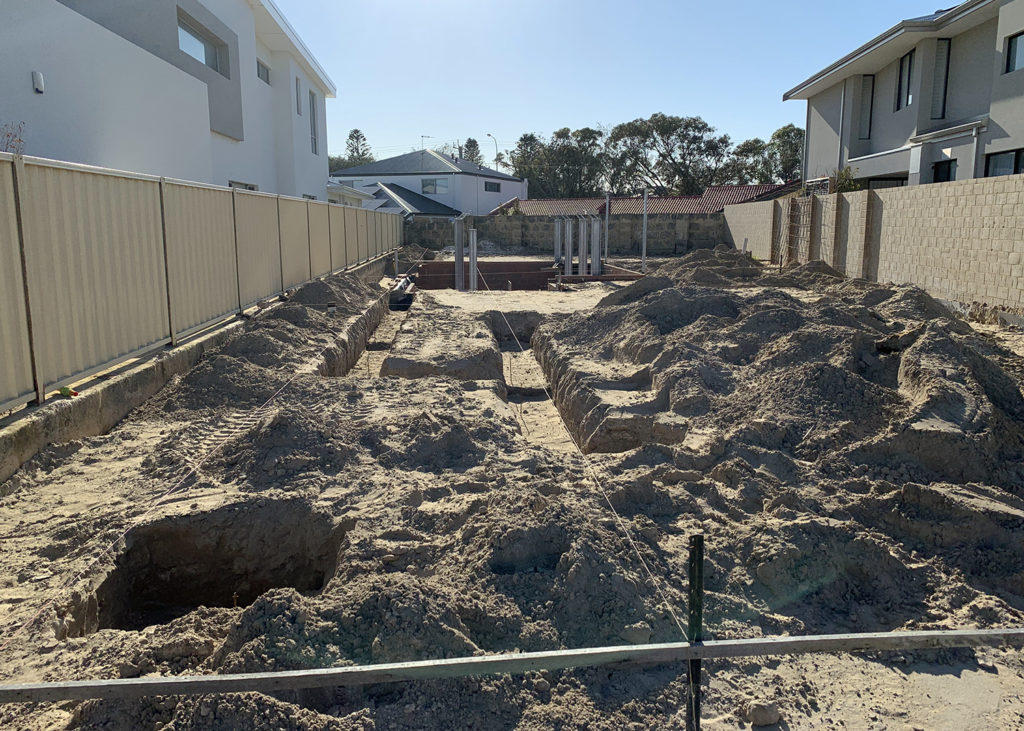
{"x": 961, "y": 241}
{"x": 667, "y": 234}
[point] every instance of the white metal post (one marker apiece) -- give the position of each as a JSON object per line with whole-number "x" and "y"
{"x": 607, "y": 209}
{"x": 568, "y": 247}
{"x": 558, "y": 241}
{"x": 643, "y": 256}
{"x": 595, "y": 246}
{"x": 460, "y": 256}
{"x": 583, "y": 245}
{"x": 472, "y": 260}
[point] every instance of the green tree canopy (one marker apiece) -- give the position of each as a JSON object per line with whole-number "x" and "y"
{"x": 669, "y": 154}
{"x": 471, "y": 152}
{"x": 357, "y": 152}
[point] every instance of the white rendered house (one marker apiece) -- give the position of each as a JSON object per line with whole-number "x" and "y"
{"x": 214, "y": 91}
{"x": 456, "y": 185}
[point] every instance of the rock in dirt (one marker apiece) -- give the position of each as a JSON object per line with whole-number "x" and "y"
{"x": 762, "y": 714}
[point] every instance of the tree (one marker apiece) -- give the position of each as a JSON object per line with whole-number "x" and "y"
{"x": 357, "y": 149}
{"x": 500, "y": 161}
{"x": 669, "y": 154}
{"x": 775, "y": 161}
{"x": 471, "y": 152}
{"x": 529, "y": 159}
{"x": 357, "y": 152}
{"x": 786, "y": 151}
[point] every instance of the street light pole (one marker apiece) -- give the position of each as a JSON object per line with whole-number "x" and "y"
{"x": 495, "y": 150}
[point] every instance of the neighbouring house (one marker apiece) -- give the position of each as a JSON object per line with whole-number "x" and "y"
{"x": 933, "y": 99}
{"x": 713, "y": 200}
{"x": 345, "y": 195}
{"x": 217, "y": 91}
{"x": 458, "y": 185}
{"x": 394, "y": 198}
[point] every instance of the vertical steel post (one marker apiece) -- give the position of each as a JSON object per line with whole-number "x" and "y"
{"x": 460, "y": 256}
{"x": 595, "y": 246}
{"x": 583, "y": 245}
{"x": 568, "y": 247}
{"x": 643, "y": 256}
{"x": 695, "y": 629}
{"x": 24, "y": 244}
{"x": 172, "y": 326}
{"x": 472, "y": 260}
{"x": 558, "y": 241}
{"x": 607, "y": 209}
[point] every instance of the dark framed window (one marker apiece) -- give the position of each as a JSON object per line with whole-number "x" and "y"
{"x": 490, "y": 187}
{"x": 944, "y": 171}
{"x": 1004, "y": 163}
{"x": 867, "y": 105}
{"x": 940, "y": 81}
{"x": 904, "y": 96}
{"x": 1015, "y": 52}
{"x": 202, "y": 45}
{"x": 262, "y": 72}
{"x": 314, "y": 136}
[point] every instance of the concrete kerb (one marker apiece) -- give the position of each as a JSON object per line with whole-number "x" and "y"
{"x": 98, "y": 409}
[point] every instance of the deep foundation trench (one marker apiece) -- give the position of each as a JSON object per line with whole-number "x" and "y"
{"x": 343, "y": 482}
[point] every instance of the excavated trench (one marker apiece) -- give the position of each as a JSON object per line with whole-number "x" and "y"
{"x": 224, "y": 558}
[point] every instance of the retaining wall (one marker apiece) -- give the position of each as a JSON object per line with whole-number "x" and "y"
{"x": 962, "y": 241}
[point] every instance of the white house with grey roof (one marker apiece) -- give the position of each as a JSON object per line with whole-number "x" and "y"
{"x": 455, "y": 185}
{"x": 214, "y": 91}
{"x": 935, "y": 98}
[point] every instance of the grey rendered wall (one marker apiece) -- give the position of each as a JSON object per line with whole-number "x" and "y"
{"x": 153, "y": 26}
{"x": 823, "y": 120}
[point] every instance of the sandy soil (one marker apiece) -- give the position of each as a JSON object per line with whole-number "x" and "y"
{"x": 852, "y": 452}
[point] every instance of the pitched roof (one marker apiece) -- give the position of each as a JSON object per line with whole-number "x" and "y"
{"x": 551, "y": 206}
{"x": 714, "y": 200}
{"x": 717, "y": 197}
{"x": 412, "y": 202}
{"x": 420, "y": 162}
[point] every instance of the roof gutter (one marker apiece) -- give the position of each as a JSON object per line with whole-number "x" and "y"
{"x": 901, "y": 28}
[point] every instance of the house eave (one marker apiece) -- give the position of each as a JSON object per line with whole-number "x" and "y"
{"x": 909, "y": 29}
{"x": 275, "y": 32}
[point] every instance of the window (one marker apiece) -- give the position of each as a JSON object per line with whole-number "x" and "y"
{"x": 1004, "y": 163}
{"x": 298, "y": 96}
{"x": 1014, "y": 53}
{"x": 867, "y": 105}
{"x": 490, "y": 187}
{"x": 940, "y": 81}
{"x": 202, "y": 46}
{"x": 309, "y": 197}
{"x": 262, "y": 72}
{"x": 313, "y": 141}
{"x": 434, "y": 186}
{"x": 944, "y": 171}
{"x": 904, "y": 96}
{"x": 241, "y": 186}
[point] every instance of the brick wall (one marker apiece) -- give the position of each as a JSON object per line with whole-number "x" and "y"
{"x": 666, "y": 233}
{"x": 961, "y": 241}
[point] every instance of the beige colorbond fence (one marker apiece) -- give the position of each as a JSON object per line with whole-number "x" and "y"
{"x": 99, "y": 265}
{"x": 962, "y": 241}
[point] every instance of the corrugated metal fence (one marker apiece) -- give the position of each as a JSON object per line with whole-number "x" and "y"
{"x": 99, "y": 265}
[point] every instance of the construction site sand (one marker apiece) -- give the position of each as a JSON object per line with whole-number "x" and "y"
{"x": 851, "y": 452}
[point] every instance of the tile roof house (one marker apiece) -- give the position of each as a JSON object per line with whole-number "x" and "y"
{"x": 713, "y": 200}
{"x": 456, "y": 184}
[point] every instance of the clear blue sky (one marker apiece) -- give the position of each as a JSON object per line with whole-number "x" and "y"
{"x": 454, "y": 69}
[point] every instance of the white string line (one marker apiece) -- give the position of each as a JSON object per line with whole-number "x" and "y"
{"x": 193, "y": 469}
{"x": 596, "y": 480}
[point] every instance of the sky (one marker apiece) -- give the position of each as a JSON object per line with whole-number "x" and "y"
{"x": 453, "y": 69}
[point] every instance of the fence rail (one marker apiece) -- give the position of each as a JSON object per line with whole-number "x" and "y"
{"x": 99, "y": 265}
